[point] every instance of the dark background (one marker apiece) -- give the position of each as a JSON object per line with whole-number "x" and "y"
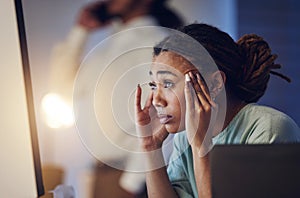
{"x": 278, "y": 22}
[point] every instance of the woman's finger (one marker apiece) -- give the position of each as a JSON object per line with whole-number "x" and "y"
{"x": 194, "y": 82}
{"x": 205, "y": 90}
{"x": 188, "y": 93}
{"x": 149, "y": 101}
{"x": 203, "y": 86}
{"x": 138, "y": 96}
{"x": 198, "y": 93}
{"x": 203, "y": 95}
{"x": 202, "y": 91}
{"x": 192, "y": 103}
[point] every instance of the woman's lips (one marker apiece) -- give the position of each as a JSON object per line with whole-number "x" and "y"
{"x": 164, "y": 119}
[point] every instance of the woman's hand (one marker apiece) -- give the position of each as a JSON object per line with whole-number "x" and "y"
{"x": 201, "y": 113}
{"x": 150, "y": 130}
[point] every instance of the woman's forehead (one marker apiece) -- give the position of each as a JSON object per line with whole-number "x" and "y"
{"x": 159, "y": 68}
{"x": 172, "y": 61}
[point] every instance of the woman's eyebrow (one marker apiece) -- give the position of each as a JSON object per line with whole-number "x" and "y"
{"x": 163, "y": 72}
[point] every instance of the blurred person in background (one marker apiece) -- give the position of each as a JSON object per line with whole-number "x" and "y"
{"x": 67, "y": 56}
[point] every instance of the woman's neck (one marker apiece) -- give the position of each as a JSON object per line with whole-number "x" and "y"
{"x": 234, "y": 105}
{"x": 226, "y": 115}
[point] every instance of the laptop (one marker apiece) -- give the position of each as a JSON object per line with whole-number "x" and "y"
{"x": 255, "y": 171}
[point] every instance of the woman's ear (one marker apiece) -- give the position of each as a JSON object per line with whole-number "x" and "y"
{"x": 218, "y": 79}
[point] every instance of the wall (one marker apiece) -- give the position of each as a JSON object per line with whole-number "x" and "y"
{"x": 278, "y": 22}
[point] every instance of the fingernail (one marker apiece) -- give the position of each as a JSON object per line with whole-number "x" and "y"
{"x": 187, "y": 78}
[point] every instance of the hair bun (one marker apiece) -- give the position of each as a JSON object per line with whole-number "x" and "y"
{"x": 258, "y": 64}
{"x": 258, "y": 58}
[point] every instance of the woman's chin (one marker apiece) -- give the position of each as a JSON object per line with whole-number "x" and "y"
{"x": 173, "y": 129}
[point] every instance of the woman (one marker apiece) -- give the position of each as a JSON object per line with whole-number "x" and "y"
{"x": 199, "y": 105}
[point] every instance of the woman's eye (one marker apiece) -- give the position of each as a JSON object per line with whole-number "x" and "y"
{"x": 168, "y": 84}
{"x": 152, "y": 85}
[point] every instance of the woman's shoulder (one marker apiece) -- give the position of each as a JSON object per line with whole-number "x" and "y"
{"x": 270, "y": 124}
{"x": 266, "y": 113}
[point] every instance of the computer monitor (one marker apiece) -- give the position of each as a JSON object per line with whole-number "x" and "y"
{"x": 20, "y": 168}
{"x": 266, "y": 170}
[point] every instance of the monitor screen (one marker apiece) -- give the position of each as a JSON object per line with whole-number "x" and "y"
{"x": 20, "y": 168}
{"x": 29, "y": 97}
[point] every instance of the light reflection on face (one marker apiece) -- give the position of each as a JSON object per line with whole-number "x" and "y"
{"x": 167, "y": 85}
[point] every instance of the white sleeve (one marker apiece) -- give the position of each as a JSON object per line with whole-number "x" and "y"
{"x": 65, "y": 60}
{"x": 133, "y": 182}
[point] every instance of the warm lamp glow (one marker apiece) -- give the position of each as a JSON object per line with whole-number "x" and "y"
{"x": 58, "y": 112}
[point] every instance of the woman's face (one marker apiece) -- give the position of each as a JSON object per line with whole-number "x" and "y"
{"x": 167, "y": 85}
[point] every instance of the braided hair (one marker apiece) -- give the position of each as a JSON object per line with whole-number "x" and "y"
{"x": 246, "y": 63}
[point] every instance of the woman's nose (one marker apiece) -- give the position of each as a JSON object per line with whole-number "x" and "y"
{"x": 159, "y": 98}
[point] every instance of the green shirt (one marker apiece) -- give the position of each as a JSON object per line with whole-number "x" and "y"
{"x": 254, "y": 124}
